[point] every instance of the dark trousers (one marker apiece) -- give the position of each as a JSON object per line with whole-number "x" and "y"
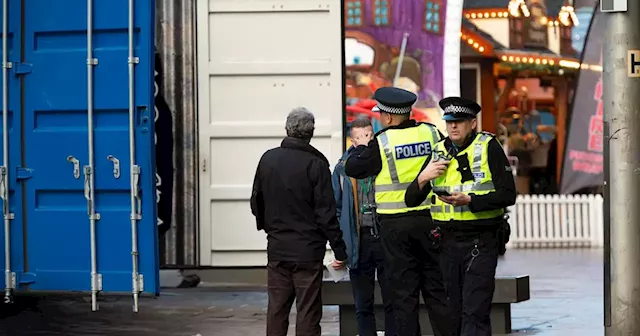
{"x": 301, "y": 281}
{"x": 413, "y": 265}
{"x": 470, "y": 282}
{"x": 362, "y": 277}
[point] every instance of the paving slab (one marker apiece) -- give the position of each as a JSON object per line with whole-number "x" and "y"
{"x": 566, "y": 299}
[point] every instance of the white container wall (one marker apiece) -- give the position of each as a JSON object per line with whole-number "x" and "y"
{"x": 256, "y": 61}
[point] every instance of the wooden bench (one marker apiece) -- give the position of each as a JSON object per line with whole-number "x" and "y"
{"x": 509, "y": 290}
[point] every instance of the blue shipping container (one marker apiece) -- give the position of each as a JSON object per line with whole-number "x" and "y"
{"x": 48, "y": 170}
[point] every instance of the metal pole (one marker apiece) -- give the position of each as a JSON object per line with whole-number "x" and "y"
{"x": 622, "y": 110}
{"x": 89, "y": 185}
{"x": 4, "y": 170}
{"x": 607, "y": 225}
{"x": 134, "y": 169}
{"x": 403, "y": 49}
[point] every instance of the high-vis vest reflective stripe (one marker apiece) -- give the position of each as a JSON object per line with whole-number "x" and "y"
{"x": 403, "y": 152}
{"x": 451, "y": 181}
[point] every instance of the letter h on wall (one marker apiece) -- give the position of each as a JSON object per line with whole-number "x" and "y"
{"x": 633, "y": 63}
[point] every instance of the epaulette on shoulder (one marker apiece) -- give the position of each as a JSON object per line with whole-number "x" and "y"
{"x": 426, "y": 123}
{"x": 488, "y": 133}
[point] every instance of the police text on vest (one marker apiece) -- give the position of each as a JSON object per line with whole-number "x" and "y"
{"x": 478, "y": 176}
{"x": 413, "y": 150}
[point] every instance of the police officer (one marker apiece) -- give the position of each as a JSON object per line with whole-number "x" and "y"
{"x": 395, "y": 156}
{"x": 468, "y": 203}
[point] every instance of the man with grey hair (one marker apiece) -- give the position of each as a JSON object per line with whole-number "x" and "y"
{"x": 292, "y": 200}
{"x": 300, "y": 124}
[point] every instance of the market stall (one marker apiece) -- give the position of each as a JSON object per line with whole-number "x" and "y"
{"x": 521, "y": 58}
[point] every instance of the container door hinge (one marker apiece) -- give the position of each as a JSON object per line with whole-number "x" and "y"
{"x": 23, "y": 173}
{"x": 140, "y": 284}
{"x": 21, "y": 68}
{"x": 26, "y": 278}
{"x": 12, "y": 278}
{"x": 96, "y": 282}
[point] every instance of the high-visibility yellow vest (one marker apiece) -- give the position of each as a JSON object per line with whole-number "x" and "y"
{"x": 403, "y": 152}
{"x": 451, "y": 181}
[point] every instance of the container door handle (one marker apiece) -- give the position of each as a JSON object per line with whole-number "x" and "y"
{"x": 116, "y": 165}
{"x": 76, "y": 166}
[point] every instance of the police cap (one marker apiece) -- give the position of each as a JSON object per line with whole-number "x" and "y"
{"x": 394, "y": 100}
{"x": 456, "y": 108}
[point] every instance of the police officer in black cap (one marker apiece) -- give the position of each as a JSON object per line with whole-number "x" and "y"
{"x": 396, "y": 156}
{"x": 468, "y": 204}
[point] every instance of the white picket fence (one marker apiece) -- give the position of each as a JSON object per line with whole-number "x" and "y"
{"x": 539, "y": 221}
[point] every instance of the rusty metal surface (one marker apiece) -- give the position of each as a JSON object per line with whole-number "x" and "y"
{"x": 176, "y": 43}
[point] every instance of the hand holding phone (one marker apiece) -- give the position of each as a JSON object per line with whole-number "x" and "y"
{"x": 456, "y": 199}
{"x": 361, "y": 136}
{"x": 441, "y": 192}
{"x": 433, "y": 170}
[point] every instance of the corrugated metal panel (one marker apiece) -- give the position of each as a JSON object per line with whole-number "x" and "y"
{"x": 255, "y": 59}
{"x": 175, "y": 41}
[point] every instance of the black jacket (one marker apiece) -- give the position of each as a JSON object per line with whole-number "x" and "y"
{"x": 293, "y": 202}
{"x": 503, "y": 197}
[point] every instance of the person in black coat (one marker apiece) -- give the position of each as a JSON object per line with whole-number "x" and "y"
{"x": 293, "y": 203}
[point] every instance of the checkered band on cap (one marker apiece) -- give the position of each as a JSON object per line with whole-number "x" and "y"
{"x": 394, "y": 110}
{"x": 451, "y": 109}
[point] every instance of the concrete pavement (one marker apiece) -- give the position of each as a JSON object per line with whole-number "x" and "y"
{"x": 566, "y": 291}
{"x": 566, "y": 299}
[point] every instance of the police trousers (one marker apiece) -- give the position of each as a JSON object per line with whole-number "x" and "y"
{"x": 469, "y": 266}
{"x": 413, "y": 267}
